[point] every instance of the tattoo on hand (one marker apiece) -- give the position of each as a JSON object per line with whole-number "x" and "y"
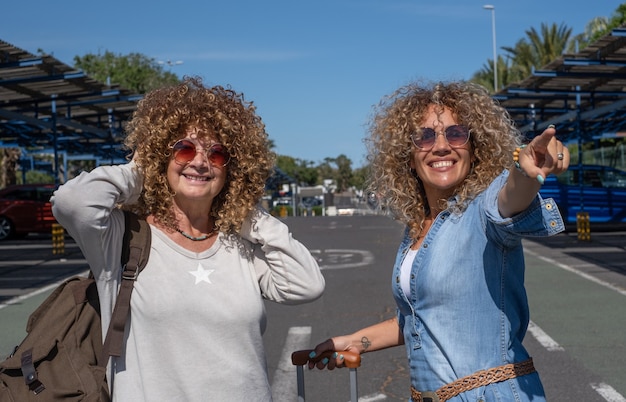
{"x": 366, "y": 343}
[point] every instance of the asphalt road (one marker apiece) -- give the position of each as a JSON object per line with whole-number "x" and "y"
{"x": 577, "y": 293}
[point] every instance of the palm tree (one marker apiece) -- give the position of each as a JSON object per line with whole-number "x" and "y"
{"x": 8, "y": 164}
{"x": 537, "y": 49}
{"x": 594, "y": 29}
{"x": 540, "y": 48}
{"x": 484, "y": 76}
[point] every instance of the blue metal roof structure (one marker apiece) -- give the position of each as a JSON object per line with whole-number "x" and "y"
{"x": 48, "y": 105}
{"x": 582, "y": 94}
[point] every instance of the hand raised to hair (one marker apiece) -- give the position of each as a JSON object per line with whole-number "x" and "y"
{"x": 544, "y": 155}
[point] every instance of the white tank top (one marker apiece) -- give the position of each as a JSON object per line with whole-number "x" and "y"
{"x": 405, "y": 271}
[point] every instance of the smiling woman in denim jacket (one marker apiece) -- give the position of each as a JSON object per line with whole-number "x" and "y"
{"x": 449, "y": 163}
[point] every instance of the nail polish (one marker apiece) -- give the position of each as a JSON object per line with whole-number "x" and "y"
{"x": 312, "y": 355}
{"x": 540, "y": 179}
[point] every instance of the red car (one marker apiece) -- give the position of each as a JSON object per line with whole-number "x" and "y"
{"x": 25, "y": 208}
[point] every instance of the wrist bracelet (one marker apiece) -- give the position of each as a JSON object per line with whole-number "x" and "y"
{"x": 516, "y": 153}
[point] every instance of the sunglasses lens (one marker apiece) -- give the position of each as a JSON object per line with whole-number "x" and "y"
{"x": 217, "y": 155}
{"x": 426, "y": 139}
{"x": 184, "y": 151}
{"x": 457, "y": 135}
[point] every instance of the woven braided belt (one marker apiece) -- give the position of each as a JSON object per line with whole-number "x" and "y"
{"x": 478, "y": 379}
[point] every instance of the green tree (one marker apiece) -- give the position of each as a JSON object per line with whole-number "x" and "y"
{"x": 599, "y": 27}
{"x": 619, "y": 17}
{"x": 134, "y": 71}
{"x": 344, "y": 172}
{"x": 35, "y": 176}
{"x": 301, "y": 170}
{"x": 538, "y": 49}
{"x": 360, "y": 177}
{"x": 484, "y": 76}
{"x": 8, "y": 166}
{"x": 594, "y": 29}
{"x": 326, "y": 171}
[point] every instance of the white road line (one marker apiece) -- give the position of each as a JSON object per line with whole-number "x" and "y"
{"x": 608, "y": 393}
{"x": 372, "y": 398}
{"x": 334, "y": 259}
{"x": 579, "y": 273}
{"x": 25, "y": 296}
{"x": 544, "y": 339}
{"x": 34, "y": 246}
{"x": 284, "y": 384}
{"x": 284, "y": 388}
{"x": 60, "y": 261}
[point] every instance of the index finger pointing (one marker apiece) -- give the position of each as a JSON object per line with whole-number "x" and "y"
{"x": 543, "y": 140}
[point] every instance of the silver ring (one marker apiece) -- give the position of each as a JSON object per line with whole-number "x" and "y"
{"x": 559, "y": 156}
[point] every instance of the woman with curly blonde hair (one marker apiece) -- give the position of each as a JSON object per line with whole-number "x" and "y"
{"x": 449, "y": 163}
{"x": 199, "y": 167}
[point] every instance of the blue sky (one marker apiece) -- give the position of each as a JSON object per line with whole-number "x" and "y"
{"x": 313, "y": 69}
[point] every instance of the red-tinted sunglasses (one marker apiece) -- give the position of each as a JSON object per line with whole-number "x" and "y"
{"x": 185, "y": 151}
{"x": 455, "y": 135}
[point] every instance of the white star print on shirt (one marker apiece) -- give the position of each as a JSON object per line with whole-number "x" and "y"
{"x": 201, "y": 274}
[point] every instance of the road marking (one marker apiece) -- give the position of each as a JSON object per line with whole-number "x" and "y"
{"x": 579, "y": 273}
{"x": 284, "y": 384}
{"x": 372, "y": 398}
{"x": 544, "y": 339}
{"x": 608, "y": 393}
{"x": 25, "y": 296}
{"x": 33, "y": 246}
{"x": 342, "y": 258}
{"x": 284, "y": 387}
{"x": 30, "y": 263}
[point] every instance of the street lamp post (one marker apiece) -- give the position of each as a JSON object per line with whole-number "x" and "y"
{"x": 495, "y": 55}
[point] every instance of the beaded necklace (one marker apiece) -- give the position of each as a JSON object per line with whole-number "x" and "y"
{"x": 200, "y": 238}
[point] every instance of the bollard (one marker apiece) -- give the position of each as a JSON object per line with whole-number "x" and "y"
{"x": 582, "y": 226}
{"x": 58, "y": 239}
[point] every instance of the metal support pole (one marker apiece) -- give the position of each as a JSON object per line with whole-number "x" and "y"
{"x": 354, "y": 388}
{"x": 300, "y": 378}
{"x": 55, "y": 139}
{"x": 495, "y": 52}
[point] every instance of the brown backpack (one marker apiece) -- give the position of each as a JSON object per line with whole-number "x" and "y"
{"x": 63, "y": 358}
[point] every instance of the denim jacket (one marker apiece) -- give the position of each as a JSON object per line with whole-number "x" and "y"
{"x": 468, "y": 309}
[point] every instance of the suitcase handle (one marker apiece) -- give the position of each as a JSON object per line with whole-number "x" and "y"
{"x": 301, "y": 357}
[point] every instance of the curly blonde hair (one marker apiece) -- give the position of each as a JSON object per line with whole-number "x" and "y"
{"x": 165, "y": 115}
{"x": 493, "y": 139}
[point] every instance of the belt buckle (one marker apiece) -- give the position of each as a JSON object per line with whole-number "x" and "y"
{"x": 429, "y": 396}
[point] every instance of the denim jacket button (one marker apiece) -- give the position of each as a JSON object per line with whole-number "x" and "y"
{"x": 549, "y": 206}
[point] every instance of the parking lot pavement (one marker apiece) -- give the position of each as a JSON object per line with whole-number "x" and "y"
{"x": 603, "y": 256}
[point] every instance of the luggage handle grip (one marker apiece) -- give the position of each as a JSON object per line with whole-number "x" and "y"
{"x": 301, "y": 357}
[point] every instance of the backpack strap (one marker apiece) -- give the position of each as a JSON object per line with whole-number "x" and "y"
{"x": 135, "y": 253}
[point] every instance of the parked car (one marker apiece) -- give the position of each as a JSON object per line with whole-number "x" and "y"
{"x": 599, "y": 190}
{"x": 25, "y": 208}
